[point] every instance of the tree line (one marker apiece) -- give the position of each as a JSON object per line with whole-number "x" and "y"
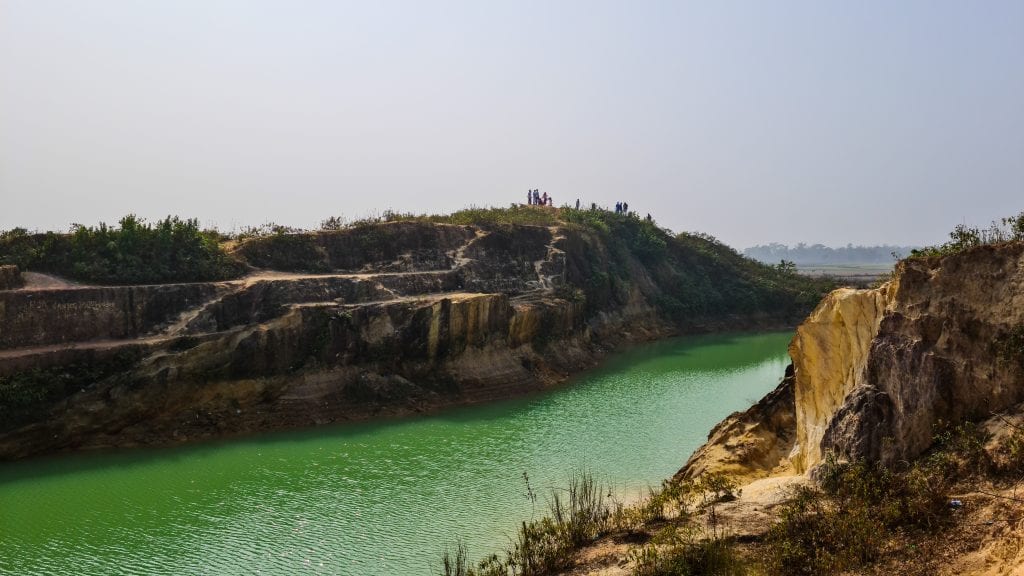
{"x": 817, "y": 254}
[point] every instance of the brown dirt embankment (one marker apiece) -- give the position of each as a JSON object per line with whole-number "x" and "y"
{"x": 377, "y": 321}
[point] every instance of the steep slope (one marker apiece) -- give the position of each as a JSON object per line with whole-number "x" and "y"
{"x": 379, "y": 319}
{"x": 875, "y": 371}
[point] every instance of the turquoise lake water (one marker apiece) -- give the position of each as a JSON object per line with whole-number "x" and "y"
{"x": 381, "y": 498}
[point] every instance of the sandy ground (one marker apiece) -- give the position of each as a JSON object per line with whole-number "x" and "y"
{"x": 39, "y": 281}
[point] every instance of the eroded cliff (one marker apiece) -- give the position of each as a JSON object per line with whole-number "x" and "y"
{"x": 377, "y": 320}
{"x": 875, "y": 371}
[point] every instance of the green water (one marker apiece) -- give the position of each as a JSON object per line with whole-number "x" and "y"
{"x": 377, "y": 498}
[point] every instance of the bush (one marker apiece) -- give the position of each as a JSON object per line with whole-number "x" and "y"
{"x": 816, "y": 536}
{"x": 1009, "y": 454}
{"x": 678, "y": 552}
{"x": 845, "y": 524}
{"x": 964, "y": 237}
{"x": 578, "y": 515}
{"x": 26, "y": 396}
{"x": 1009, "y": 346}
{"x": 135, "y": 252}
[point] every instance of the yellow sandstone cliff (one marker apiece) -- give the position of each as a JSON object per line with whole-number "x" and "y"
{"x": 829, "y": 353}
{"x": 874, "y": 371}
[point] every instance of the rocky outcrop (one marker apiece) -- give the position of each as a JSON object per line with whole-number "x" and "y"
{"x": 829, "y": 352}
{"x": 36, "y": 318}
{"x": 750, "y": 444}
{"x": 874, "y": 371}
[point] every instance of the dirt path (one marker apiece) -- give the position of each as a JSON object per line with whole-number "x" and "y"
{"x": 40, "y": 281}
{"x": 85, "y": 345}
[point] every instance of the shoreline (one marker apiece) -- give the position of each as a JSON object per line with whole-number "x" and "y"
{"x": 399, "y": 413}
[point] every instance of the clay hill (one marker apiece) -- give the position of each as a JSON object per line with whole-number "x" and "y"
{"x": 205, "y": 336}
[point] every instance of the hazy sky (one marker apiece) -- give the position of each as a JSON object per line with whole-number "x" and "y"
{"x": 832, "y": 122}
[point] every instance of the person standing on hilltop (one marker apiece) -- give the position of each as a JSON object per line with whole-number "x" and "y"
{"x": 529, "y": 197}
{"x": 536, "y": 197}
{"x": 577, "y": 203}
{"x": 625, "y": 208}
{"x": 551, "y": 201}
{"x": 544, "y": 199}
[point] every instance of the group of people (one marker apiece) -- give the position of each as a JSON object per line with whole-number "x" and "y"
{"x": 535, "y": 198}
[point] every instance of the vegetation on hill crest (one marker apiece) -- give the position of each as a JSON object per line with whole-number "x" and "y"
{"x": 134, "y": 252}
{"x": 964, "y": 237}
{"x": 687, "y": 275}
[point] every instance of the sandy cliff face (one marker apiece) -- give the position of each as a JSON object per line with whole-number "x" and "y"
{"x": 946, "y": 348}
{"x": 829, "y": 353}
{"x": 874, "y": 371}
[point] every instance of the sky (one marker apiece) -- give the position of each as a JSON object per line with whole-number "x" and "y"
{"x": 863, "y": 122}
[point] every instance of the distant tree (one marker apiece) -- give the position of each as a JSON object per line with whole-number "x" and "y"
{"x": 786, "y": 265}
{"x": 819, "y": 254}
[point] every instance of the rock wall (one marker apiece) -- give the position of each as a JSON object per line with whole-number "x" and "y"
{"x": 314, "y": 364}
{"x": 35, "y": 318}
{"x": 829, "y": 352}
{"x": 949, "y": 346}
{"x": 874, "y": 371}
{"x": 385, "y": 319}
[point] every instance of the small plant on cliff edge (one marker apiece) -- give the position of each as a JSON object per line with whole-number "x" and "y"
{"x": 1009, "y": 346}
{"x": 958, "y": 450}
{"x": 963, "y": 237}
{"x": 578, "y": 515}
{"x": 1015, "y": 224}
{"x": 679, "y": 550}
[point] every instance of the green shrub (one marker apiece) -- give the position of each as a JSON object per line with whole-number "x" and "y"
{"x": 578, "y": 514}
{"x": 845, "y": 524}
{"x": 134, "y": 252}
{"x": 1009, "y": 454}
{"x": 1009, "y": 346}
{"x": 454, "y": 563}
{"x": 964, "y": 237}
{"x": 814, "y": 536}
{"x": 26, "y": 396}
{"x": 958, "y": 450}
{"x": 681, "y": 552}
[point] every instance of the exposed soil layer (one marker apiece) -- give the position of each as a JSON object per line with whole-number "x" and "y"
{"x": 378, "y": 321}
